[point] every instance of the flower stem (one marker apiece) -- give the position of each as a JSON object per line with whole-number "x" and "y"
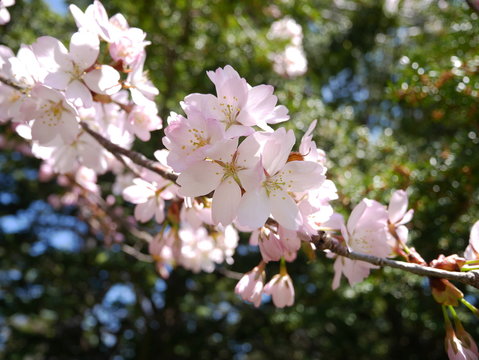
{"x": 447, "y": 321}
{"x": 469, "y": 268}
{"x": 471, "y": 307}
{"x": 282, "y": 267}
{"x": 475, "y": 261}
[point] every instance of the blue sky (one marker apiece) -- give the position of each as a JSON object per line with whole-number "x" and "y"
{"x": 58, "y": 5}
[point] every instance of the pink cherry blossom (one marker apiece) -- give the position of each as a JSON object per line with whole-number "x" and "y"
{"x": 238, "y": 106}
{"x": 399, "y": 215}
{"x": 271, "y": 194}
{"x": 281, "y": 289}
{"x": 103, "y": 80}
{"x": 4, "y": 14}
{"x": 270, "y": 246}
{"x": 53, "y": 116}
{"x": 460, "y": 345}
{"x": 250, "y": 286}
{"x": 366, "y": 232}
{"x": 66, "y": 157}
{"x": 308, "y": 148}
{"x": 273, "y": 246}
{"x": 24, "y": 71}
{"x": 67, "y": 68}
{"x": 189, "y": 139}
{"x": 229, "y": 167}
{"x": 142, "y": 120}
{"x": 201, "y": 250}
{"x": 128, "y": 46}
{"x": 87, "y": 179}
{"x": 291, "y": 62}
{"x": 196, "y": 215}
{"x": 141, "y": 88}
{"x": 162, "y": 249}
{"x": 316, "y": 209}
{"x": 286, "y": 29}
{"x": 472, "y": 250}
{"x": 94, "y": 19}
{"x": 149, "y": 195}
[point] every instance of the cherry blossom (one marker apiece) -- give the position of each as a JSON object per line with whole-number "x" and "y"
{"x": 270, "y": 196}
{"x": 53, "y": 116}
{"x": 472, "y": 250}
{"x": 281, "y": 289}
{"x": 238, "y": 106}
{"x": 286, "y": 29}
{"x": 128, "y": 46}
{"x": 141, "y": 88}
{"x": 459, "y": 344}
{"x": 142, "y": 120}
{"x": 228, "y": 169}
{"x": 4, "y": 14}
{"x": 399, "y": 215}
{"x": 189, "y": 139}
{"x": 67, "y": 68}
{"x": 201, "y": 250}
{"x": 366, "y": 232}
{"x": 291, "y": 61}
{"x": 24, "y": 71}
{"x": 150, "y": 193}
{"x": 250, "y": 286}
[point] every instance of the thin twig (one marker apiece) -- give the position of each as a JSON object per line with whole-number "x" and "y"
{"x": 12, "y": 84}
{"x": 130, "y": 250}
{"x": 134, "y": 156}
{"x": 323, "y": 241}
{"x": 230, "y": 274}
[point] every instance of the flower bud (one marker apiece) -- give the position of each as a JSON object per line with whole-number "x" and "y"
{"x": 280, "y": 287}
{"x": 250, "y": 287}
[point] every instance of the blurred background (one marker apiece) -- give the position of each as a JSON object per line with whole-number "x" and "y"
{"x": 394, "y": 86}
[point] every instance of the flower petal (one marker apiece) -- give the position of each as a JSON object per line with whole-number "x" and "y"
{"x": 397, "y": 206}
{"x": 226, "y": 201}
{"x": 285, "y": 210}
{"x": 105, "y": 80}
{"x": 200, "y": 179}
{"x": 84, "y": 48}
{"x": 254, "y": 209}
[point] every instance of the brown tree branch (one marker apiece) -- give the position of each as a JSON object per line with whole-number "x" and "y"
{"x": 323, "y": 241}
{"x": 11, "y": 84}
{"x": 134, "y": 156}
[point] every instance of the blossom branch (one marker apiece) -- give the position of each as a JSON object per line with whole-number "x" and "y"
{"x": 134, "y": 156}
{"x": 323, "y": 241}
{"x": 11, "y": 84}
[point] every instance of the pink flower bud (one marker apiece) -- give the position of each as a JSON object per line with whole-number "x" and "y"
{"x": 462, "y": 347}
{"x": 280, "y": 287}
{"x": 250, "y": 287}
{"x": 270, "y": 247}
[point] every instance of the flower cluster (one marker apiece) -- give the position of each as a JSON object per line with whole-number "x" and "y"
{"x": 235, "y": 170}
{"x": 291, "y": 61}
{"x": 371, "y": 229}
{"x": 55, "y": 88}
